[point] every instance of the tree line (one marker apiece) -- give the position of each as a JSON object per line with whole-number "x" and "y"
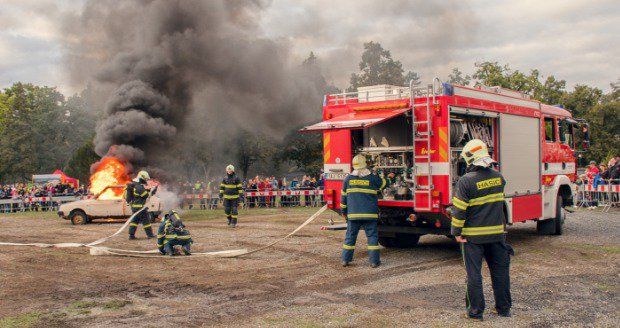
{"x": 42, "y": 130}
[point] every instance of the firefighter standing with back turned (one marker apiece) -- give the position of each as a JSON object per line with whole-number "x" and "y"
{"x": 136, "y": 195}
{"x": 359, "y": 206}
{"x": 231, "y": 190}
{"x": 478, "y": 223}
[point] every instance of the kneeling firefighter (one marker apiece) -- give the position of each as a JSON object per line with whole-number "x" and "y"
{"x": 231, "y": 190}
{"x": 136, "y": 195}
{"x": 359, "y": 205}
{"x": 172, "y": 232}
{"x": 478, "y": 223}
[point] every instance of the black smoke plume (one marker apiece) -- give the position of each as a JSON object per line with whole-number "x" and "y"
{"x": 176, "y": 71}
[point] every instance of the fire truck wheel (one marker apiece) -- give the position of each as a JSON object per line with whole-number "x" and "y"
{"x": 387, "y": 242}
{"x": 552, "y": 226}
{"x": 405, "y": 240}
{"x": 78, "y": 217}
{"x": 559, "y": 217}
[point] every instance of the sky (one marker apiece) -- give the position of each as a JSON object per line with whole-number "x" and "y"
{"x": 578, "y": 41}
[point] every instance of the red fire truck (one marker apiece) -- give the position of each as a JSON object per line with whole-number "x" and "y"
{"x": 418, "y": 133}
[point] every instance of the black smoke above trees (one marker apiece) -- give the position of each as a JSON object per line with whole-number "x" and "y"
{"x": 178, "y": 71}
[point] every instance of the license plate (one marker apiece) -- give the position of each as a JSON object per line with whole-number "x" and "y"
{"x": 336, "y": 176}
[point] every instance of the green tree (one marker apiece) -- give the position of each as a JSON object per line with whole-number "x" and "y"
{"x": 40, "y": 130}
{"x": 412, "y": 76}
{"x": 79, "y": 164}
{"x": 377, "y": 67}
{"x": 305, "y": 151}
{"x": 581, "y": 99}
{"x": 457, "y": 77}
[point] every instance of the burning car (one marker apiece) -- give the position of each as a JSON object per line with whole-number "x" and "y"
{"x": 107, "y": 183}
{"x": 103, "y": 206}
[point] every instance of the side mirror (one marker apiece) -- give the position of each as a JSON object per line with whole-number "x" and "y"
{"x": 585, "y": 129}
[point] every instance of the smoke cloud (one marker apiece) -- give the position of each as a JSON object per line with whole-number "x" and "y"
{"x": 176, "y": 71}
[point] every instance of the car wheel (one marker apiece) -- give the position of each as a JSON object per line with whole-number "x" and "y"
{"x": 78, "y": 217}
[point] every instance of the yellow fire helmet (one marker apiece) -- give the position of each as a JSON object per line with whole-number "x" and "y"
{"x": 143, "y": 175}
{"x": 359, "y": 162}
{"x": 476, "y": 152}
{"x": 230, "y": 168}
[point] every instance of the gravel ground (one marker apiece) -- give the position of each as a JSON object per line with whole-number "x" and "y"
{"x": 564, "y": 281}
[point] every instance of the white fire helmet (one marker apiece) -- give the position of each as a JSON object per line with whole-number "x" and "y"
{"x": 230, "y": 168}
{"x": 143, "y": 175}
{"x": 476, "y": 153}
{"x": 359, "y": 162}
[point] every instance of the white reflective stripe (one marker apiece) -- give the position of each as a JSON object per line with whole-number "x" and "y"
{"x": 485, "y": 95}
{"x": 337, "y": 168}
{"x": 438, "y": 168}
{"x": 556, "y": 168}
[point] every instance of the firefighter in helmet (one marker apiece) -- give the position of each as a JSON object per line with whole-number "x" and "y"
{"x": 359, "y": 206}
{"x": 172, "y": 232}
{"x": 231, "y": 190}
{"x": 478, "y": 224}
{"x": 136, "y": 195}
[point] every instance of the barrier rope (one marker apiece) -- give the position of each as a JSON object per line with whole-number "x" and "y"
{"x": 101, "y": 250}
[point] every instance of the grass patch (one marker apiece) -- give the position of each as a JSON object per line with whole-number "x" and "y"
{"x": 27, "y": 319}
{"x": 27, "y": 215}
{"x": 83, "y": 312}
{"x": 605, "y": 287}
{"x": 116, "y": 304}
{"x": 273, "y": 320}
{"x": 598, "y": 248}
{"x": 204, "y": 215}
{"x": 136, "y": 313}
{"x": 83, "y": 304}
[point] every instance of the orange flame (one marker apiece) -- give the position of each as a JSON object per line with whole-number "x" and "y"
{"x": 110, "y": 172}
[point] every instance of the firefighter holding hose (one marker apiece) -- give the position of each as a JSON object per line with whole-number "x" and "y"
{"x": 359, "y": 206}
{"x": 136, "y": 195}
{"x": 231, "y": 190}
{"x": 172, "y": 232}
{"x": 478, "y": 223}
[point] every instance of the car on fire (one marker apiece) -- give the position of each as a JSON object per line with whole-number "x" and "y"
{"x": 104, "y": 206}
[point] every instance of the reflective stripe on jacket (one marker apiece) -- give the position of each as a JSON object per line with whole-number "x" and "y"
{"x": 139, "y": 194}
{"x": 478, "y": 206}
{"x": 231, "y": 187}
{"x": 360, "y": 196}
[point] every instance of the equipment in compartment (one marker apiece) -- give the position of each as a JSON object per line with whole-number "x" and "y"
{"x": 457, "y": 131}
{"x": 397, "y": 160}
{"x": 464, "y": 128}
{"x": 480, "y": 130}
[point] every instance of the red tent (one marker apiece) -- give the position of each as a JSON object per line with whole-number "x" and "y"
{"x": 67, "y": 179}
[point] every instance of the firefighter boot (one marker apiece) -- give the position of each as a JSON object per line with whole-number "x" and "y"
{"x": 186, "y": 249}
{"x": 169, "y": 249}
{"x": 229, "y": 220}
{"x": 132, "y": 230}
{"x": 234, "y": 222}
{"x": 149, "y": 232}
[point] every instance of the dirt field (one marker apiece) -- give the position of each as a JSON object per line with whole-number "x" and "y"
{"x": 571, "y": 280}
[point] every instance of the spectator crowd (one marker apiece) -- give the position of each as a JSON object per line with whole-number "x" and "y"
{"x": 256, "y": 184}
{"x": 602, "y": 174}
{"x": 25, "y": 190}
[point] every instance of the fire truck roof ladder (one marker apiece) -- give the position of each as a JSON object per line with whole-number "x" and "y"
{"x": 422, "y": 133}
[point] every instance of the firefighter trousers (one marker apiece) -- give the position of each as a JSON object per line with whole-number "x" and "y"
{"x": 145, "y": 219}
{"x": 231, "y": 210}
{"x": 372, "y": 234}
{"x": 497, "y": 256}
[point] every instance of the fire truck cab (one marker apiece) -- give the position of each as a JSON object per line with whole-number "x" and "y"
{"x": 418, "y": 134}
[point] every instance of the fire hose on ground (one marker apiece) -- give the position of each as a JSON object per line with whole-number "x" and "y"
{"x": 102, "y": 250}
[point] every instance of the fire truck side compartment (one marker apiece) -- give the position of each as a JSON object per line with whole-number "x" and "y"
{"x": 520, "y": 154}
